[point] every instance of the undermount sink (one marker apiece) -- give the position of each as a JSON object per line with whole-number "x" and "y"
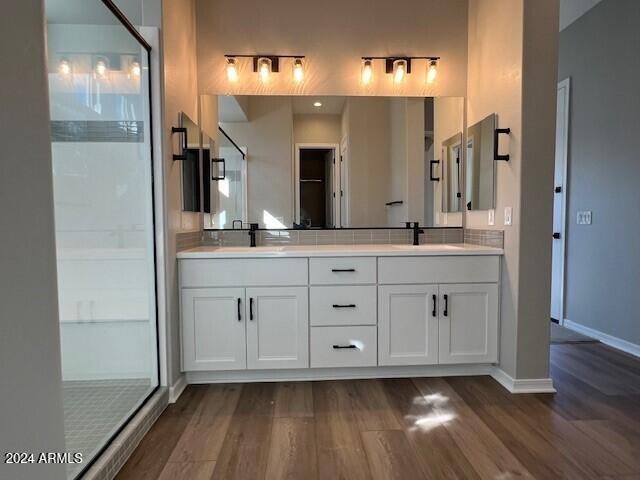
{"x": 265, "y": 249}
{"x": 427, "y": 247}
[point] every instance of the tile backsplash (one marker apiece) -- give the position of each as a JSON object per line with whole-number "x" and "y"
{"x": 487, "y": 238}
{"x": 331, "y": 237}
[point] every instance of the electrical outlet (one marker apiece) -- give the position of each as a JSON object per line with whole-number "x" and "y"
{"x": 508, "y": 215}
{"x": 584, "y": 217}
{"x": 491, "y": 220}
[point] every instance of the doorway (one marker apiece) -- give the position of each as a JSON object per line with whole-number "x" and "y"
{"x": 559, "y": 204}
{"x": 317, "y": 181}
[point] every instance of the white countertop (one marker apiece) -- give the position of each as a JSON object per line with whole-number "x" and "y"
{"x": 338, "y": 251}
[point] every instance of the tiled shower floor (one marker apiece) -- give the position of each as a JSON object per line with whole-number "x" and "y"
{"x": 94, "y": 409}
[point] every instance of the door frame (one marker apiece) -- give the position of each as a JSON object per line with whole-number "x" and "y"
{"x": 296, "y": 176}
{"x": 563, "y": 84}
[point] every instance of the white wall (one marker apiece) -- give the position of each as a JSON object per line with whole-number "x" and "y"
{"x": 31, "y": 414}
{"x": 316, "y": 128}
{"x": 333, "y": 34}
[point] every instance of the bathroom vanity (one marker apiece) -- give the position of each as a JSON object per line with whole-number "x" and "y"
{"x": 338, "y": 311}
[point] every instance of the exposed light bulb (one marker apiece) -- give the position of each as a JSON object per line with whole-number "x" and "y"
{"x": 432, "y": 71}
{"x": 399, "y": 70}
{"x": 64, "y": 67}
{"x": 298, "y": 70}
{"x": 232, "y": 70}
{"x": 264, "y": 69}
{"x": 101, "y": 69}
{"x": 317, "y": 104}
{"x": 367, "y": 71}
{"x": 135, "y": 69}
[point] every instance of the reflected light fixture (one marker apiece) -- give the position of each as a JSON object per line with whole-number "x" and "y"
{"x": 64, "y": 67}
{"x": 317, "y": 104}
{"x": 432, "y": 70}
{"x": 367, "y": 71}
{"x": 298, "y": 70}
{"x": 135, "y": 70}
{"x": 100, "y": 69}
{"x": 399, "y": 70}
{"x": 264, "y": 67}
{"x": 232, "y": 70}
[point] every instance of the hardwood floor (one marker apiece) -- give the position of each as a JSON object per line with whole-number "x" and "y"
{"x": 432, "y": 428}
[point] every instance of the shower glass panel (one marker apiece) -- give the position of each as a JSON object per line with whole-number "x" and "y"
{"x": 103, "y": 196}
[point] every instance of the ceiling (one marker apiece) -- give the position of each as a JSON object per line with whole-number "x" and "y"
{"x": 571, "y": 10}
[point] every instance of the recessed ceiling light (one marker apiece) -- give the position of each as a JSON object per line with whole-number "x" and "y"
{"x": 317, "y": 104}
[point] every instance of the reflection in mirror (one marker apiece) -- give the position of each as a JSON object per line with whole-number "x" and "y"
{"x": 451, "y": 173}
{"x": 480, "y": 165}
{"x": 331, "y": 162}
{"x": 191, "y": 166}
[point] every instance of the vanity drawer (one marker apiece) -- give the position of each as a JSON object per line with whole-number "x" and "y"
{"x": 326, "y": 343}
{"x": 342, "y": 271}
{"x": 445, "y": 269}
{"x": 345, "y": 305}
{"x": 234, "y": 272}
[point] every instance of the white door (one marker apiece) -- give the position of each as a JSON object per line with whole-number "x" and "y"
{"x": 277, "y": 327}
{"x": 559, "y": 203}
{"x": 408, "y": 325}
{"x": 213, "y": 329}
{"x": 468, "y": 326}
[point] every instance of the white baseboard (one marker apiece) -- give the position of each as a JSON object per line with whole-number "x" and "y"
{"x": 177, "y": 388}
{"x": 615, "y": 342}
{"x": 522, "y": 385}
{"x": 347, "y": 373}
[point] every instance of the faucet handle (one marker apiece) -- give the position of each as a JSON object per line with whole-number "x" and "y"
{"x": 254, "y": 226}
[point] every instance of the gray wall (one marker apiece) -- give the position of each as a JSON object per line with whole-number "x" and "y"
{"x": 601, "y": 54}
{"x": 31, "y": 418}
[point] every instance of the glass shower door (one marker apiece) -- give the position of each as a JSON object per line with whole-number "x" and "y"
{"x": 103, "y": 198}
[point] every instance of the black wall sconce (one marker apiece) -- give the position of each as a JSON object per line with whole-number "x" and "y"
{"x": 496, "y": 140}
{"x": 183, "y": 132}
{"x": 431, "y": 176}
{"x": 265, "y": 65}
{"x": 399, "y": 67}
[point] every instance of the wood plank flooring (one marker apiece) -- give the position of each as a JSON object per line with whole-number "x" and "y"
{"x": 431, "y": 428}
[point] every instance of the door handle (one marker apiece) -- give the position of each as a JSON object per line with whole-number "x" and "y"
{"x": 351, "y": 305}
{"x": 251, "y": 308}
{"x": 338, "y": 347}
{"x": 432, "y": 177}
{"x": 558, "y": 190}
{"x": 556, "y": 235}
{"x": 337, "y": 270}
{"x": 446, "y": 305}
{"x": 434, "y": 313}
{"x": 239, "y": 312}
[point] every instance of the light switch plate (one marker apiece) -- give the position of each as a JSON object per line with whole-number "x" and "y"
{"x": 491, "y": 218}
{"x": 508, "y": 215}
{"x": 584, "y": 217}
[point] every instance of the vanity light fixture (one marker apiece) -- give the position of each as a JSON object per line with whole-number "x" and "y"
{"x": 432, "y": 70}
{"x": 400, "y": 69}
{"x": 64, "y": 67}
{"x": 265, "y": 66}
{"x": 367, "y": 71}
{"x": 298, "y": 70}
{"x": 232, "y": 70}
{"x": 134, "y": 69}
{"x": 100, "y": 69}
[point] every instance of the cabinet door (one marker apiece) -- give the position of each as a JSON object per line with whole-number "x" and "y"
{"x": 407, "y": 325}
{"x": 277, "y": 327}
{"x": 213, "y": 329}
{"x": 469, "y": 323}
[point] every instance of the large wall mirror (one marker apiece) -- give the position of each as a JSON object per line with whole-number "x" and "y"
{"x": 190, "y": 171}
{"x": 333, "y": 162}
{"x": 480, "y": 165}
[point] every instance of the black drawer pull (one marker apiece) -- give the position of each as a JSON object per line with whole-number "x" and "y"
{"x": 239, "y": 314}
{"x": 350, "y": 305}
{"x": 434, "y": 313}
{"x": 446, "y": 305}
{"x": 251, "y": 308}
{"x": 337, "y": 270}
{"x": 339, "y": 347}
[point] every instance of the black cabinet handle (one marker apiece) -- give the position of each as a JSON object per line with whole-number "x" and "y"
{"x": 338, "y": 347}
{"x": 337, "y": 270}
{"x": 350, "y": 305}
{"x": 239, "y": 312}
{"x": 434, "y": 313}
{"x": 432, "y": 177}
{"x": 395, "y": 202}
{"x": 446, "y": 305}
{"x": 251, "y": 308}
